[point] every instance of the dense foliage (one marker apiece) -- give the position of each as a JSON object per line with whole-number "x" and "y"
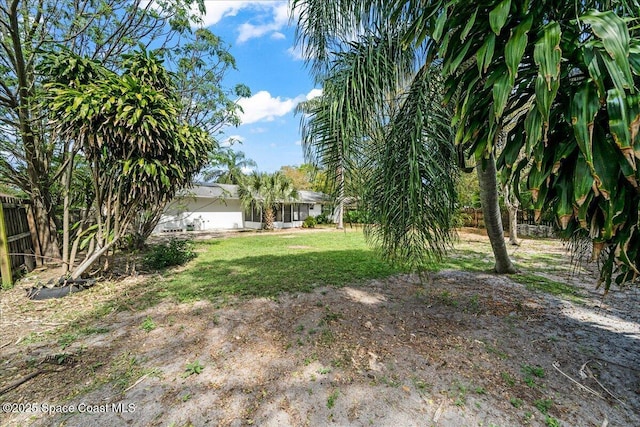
{"x": 163, "y": 255}
{"x": 549, "y": 88}
{"x": 554, "y": 86}
{"x": 127, "y": 127}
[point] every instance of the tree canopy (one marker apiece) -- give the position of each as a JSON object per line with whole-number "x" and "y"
{"x": 553, "y": 84}
{"x": 563, "y": 78}
{"x": 35, "y": 159}
{"x": 265, "y": 192}
{"x": 128, "y": 127}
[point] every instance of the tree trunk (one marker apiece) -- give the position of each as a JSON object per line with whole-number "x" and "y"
{"x": 66, "y": 218}
{"x": 340, "y": 208}
{"x": 512, "y": 208}
{"x": 84, "y": 265}
{"x": 46, "y": 230}
{"x": 268, "y": 218}
{"x": 491, "y": 209}
{"x": 340, "y": 215}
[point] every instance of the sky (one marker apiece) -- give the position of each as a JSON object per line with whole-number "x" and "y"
{"x": 262, "y": 43}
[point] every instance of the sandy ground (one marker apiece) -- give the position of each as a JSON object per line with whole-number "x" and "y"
{"x": 450, "y": 349}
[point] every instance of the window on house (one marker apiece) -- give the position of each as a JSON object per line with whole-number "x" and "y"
{"x": 304, "y": 211}
{"x": 287, "y": 213}
{"x": 278, "y": 209}
{"x": 252, "y": 214}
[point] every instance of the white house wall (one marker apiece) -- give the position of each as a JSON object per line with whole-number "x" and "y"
{"x": 203, "y": 214}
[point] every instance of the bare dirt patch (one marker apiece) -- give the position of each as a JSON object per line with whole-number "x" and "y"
{"x": 449, "y": 349}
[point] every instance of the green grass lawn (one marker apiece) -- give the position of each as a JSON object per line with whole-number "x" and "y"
{"x": 268, "y": 264}
{"x": 265, "y": 265}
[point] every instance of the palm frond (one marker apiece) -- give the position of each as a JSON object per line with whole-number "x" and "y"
{"x": 411, "y": 195}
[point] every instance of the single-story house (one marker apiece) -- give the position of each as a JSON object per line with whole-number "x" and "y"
{"x": 218, "y": 207}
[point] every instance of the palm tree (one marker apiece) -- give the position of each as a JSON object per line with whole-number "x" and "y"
{"x": 265, "y": 192}
{"x": 380, "y": 120}
{"x": 559, "y": 83}
{"x": 227, "y": 167}
{"x": 561, "y": 75}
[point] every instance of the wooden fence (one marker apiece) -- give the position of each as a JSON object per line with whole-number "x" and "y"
{"x": 16, "y": 241}
{"x": 475, "y": 218}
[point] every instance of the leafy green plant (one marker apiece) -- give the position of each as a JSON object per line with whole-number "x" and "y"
{"x": 176, "y": 252}
{"x": 543, "y": 405}
{"x": 148, "y": 324}
{"x": 515, "y": 402}
{"x": 551, "y": 422}
{"x": 531, "y": 373}
{"x": 66, "y": 340}
{"x": 331, "y": 400}
{"x": 323, "y": 219}
{"x": 193, "y": 368}
{"x": 309, "y": 222}
{"x": 508, "y": 379}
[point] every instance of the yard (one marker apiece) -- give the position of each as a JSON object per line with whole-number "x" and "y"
{"x": 309, "y": 328}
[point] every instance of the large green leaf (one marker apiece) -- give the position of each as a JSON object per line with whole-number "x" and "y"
{"x": 634, "y": 57}
{"x": 484, "y": 55}
{"x": 498, "y": 16}
{"x": 582, "y": 181}
{"x": 613, "y": 214}
{"x": 533, "y": 128}
{"x": 457, "y": 60}
{"x": 511, "y": 152}
{"x": 515, "y": 47}
{"x": 596, "y": 67}
{"x": 584, "y": 107}
{"x": 440, "y": 21}
{"x": 547, "y": 53}
{"x": 467, "y": 28}
{"x": 605, "y": 164}
{"x": 613, "y": 32}
{"x": 619, "y": 124}
{"x": 545, "y": 95}
{"x": 501, "y": 90}
{"x": 564, "y": 202}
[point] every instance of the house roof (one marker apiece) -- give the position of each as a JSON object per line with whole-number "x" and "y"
{"x": 213, "y": 191}
{"x": 228, "y": 191}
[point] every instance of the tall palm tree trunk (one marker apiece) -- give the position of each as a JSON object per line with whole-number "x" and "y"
{"x": 492, "y": 218}
{"x": 269, "y": 218}
{"x": 340, "y": 209}
{"x": 512, "y": 207}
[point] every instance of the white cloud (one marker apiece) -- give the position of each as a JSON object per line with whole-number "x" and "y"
{"x": 298, "y": 142}
{"x": 264, "y": 107}
{"x": 277, "y": 19}
{"x": 278, "y": 36}
{"x": 314, "y": 93}
{"x": 218, "y": 9}
{"x": 247, "y": 170}
{"x": 296, "y": 53}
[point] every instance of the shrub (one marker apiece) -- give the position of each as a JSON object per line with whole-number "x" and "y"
{"x": 323, "y": 219}
{"x": 309, "y": 222}
{"x": 176, "y": 252}
{"x": 356, "y": 217}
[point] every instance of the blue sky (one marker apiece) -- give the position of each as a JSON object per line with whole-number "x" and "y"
{"x": 263, "y": 45}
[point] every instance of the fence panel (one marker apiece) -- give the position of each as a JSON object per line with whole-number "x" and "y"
{"x": 474, "y": 218}
{"x": 16, "y": 244}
